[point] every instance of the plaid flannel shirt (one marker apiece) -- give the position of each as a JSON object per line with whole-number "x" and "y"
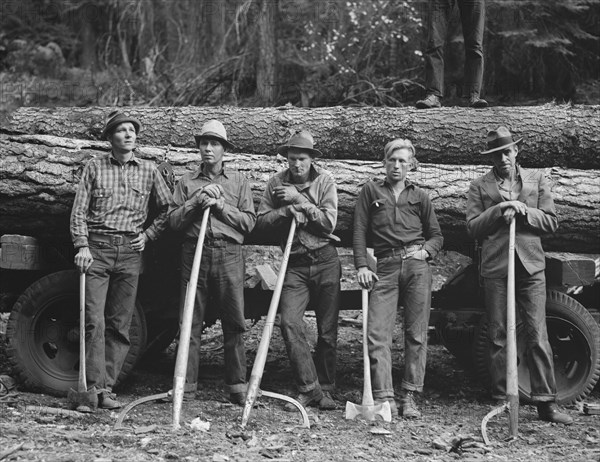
{"x": 114, "y": 199}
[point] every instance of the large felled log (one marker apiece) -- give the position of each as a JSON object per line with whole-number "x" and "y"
{"x": 38, "y": 176}
{"x": 554, "y": 135}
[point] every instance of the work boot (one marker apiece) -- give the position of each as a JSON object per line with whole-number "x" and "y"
{"x": 476, "y": 102}
{"x": 327, "y": 403}
{"x": 91, "y": 405}
{"x": 429, "y": 102}
{"x": 408, "y": 407}
{"x": 309, "y": 398}
{"x": 550, "y": 412}
{"x": 393, "y": 405}
{"x": 107, "y": 400}
{"x": 237, "y": 398}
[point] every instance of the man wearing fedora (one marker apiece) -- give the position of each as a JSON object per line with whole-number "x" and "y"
{"x": 399, "y": 220}
{"x": 508, "y": 191}
{"x": 107, "y": 227}
{"x": 221, "y": 279}
{"x": 307, "y": 194}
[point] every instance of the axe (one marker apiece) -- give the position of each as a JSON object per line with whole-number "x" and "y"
{"x": 368, "y": 409}
{"x": 186, "y": 325}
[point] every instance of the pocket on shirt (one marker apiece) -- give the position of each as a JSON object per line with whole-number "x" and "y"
{"x": 411, "y": 208}
{"x": 101, "y": 199}
{"x": 140, "y": 197}
{"x": 379, "y": 214}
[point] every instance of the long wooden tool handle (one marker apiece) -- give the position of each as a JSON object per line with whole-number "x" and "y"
{"x": 82, "y": 384}
{"x": 186, "y": 325}
{"x": 512, "y": 378}
{"x": 367, "y": 390}
{"x": 263, "y": 348}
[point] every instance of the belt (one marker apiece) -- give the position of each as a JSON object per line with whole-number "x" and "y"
{"x": 404, "y": 252}
{"x": 212, "y": 242}
{"x": 313, "y": 255}
{"x": 114, "y": 239}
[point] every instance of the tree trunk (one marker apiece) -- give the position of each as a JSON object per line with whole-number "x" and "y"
{"x": 38, "y": 175}
{"x": 553, "y": 135}
{"x": 266, "y": 67}
{"x": 86, "y": 14}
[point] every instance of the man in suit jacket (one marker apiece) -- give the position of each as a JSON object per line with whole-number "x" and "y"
{"x": 508, "y": 191}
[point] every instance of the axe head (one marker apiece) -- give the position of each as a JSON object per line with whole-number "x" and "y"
{"x": 369, "y": 412}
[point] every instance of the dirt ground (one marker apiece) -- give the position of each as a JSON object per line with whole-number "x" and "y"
{"x": 453, "y": 404}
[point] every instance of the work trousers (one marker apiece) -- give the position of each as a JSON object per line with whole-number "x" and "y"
{"x": 111, "y": 288}
{"x": 530, "y": 294}
{"x": 314, "y": 278}
{"x": 221, "y": 283}
{"x": 472, "y": 15}
{"x": 407, "y": 283}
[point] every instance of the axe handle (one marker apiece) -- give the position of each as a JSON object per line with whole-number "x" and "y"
{"x": 186, "y": 324}
{"x": 367, "y": 391}
{"x": 82, "y": 383}
{"x": 263, "y": 348}
{"x": 512, "y": 379}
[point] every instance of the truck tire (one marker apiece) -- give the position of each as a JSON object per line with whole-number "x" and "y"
{"x": 43, "y": 335}
{"x": 574, "y": 337}
{"x": 458, "y": 340}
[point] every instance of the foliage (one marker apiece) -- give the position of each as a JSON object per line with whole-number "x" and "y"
{"x": 327, "y": 52}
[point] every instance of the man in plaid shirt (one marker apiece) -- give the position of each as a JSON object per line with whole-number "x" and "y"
{"x": 110, "y": 209}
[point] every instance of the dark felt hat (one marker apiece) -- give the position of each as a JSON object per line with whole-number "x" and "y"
{"x": 499, "y": 139}
{"x": 301, "y": 140}
{"x": 115, "y": 118}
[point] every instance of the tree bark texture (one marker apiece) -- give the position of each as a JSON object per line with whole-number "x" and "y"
{"x": 38, "y": 175}
{"x": 553, "y": 135}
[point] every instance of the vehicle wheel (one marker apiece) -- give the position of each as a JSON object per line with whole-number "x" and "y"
{"x": 458, "y": 340}
{"x": 43, "y": 335}
{"x": 574, "y": 337}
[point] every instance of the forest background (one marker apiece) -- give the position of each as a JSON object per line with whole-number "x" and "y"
{"x": 274, "y": 52}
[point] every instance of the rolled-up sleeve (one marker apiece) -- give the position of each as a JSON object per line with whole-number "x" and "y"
{"x": 78, "y": 221}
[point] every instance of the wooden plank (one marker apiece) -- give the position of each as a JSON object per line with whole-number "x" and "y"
{"x": 569, "y": 269}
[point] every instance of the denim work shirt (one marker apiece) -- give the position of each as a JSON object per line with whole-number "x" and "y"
{"x": 114, "y": 199}
{"x": 232, "y": 223}
{"x": 391, "y": 223}
{"x": 318, "y": 197}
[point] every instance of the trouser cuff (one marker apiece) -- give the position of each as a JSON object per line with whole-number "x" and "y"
{"x": 308, "y": 388}
{"x": 543, "y": 398}
{"x": 407, "y": 386}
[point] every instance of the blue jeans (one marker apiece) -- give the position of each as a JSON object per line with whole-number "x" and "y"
{"x": 111, "y": 288}
{"x": 472, "y": 15}
{"x": 220, "y": 286}
{"x": 313, "y": 278}
{"x": 530, "y": 294}
{"x": 404, "y": 283}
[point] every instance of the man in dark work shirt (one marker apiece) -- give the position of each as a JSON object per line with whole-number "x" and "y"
{"x": 399, "y": 219}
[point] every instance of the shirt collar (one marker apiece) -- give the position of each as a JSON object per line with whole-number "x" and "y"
{"x": 313, "y": 173}
{"x": 114, "y": 161}
{"x": 198, "y": 173}
{"x": 407, "y": 183}
{"x": 500, "y": 179}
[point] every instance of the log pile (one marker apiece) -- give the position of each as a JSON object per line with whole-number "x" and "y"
{"x": 38, "y": 175}
{"x": 553, "y": 135}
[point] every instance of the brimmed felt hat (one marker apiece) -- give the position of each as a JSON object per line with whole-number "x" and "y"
{"x": 301, "y": 140}
{"x": 115, "y": 118}
{"x": 213, "y": 129}
{"x": 499, "y": 139}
